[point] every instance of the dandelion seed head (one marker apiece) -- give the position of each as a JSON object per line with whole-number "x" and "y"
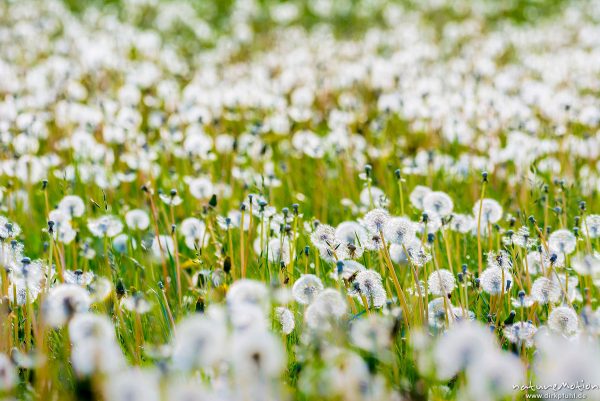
{"x": 462, "y": 223}
{"x": 375, "y": 194}
{"x": 494, "y": 375}
{"x": 441, "y": 282}
{"x": 368, "y": 283}
{"x": 438, "y": 203}
{"x": 562, "y": 241}
{"x": 286, "y": 319}
{"x": 306, "y": 288}
{"x": 327, "y": 307}
{"x": 491, "y": 211}
{"x": 105, "y": 226}
{"x": 495, "y": 281}
{"x": 586, "y": 265}
{"x": 62, "y": 302}
{"x": 72, "y": 205}
{"x": 520, "y": 333}
{"x": 8, "y": 373}
{"x": 372, "y": 334}
{"x": 460, "y": 347}
{"x": 136, "y": 303}
{"x": 200, "y": 342}
{"x": 561, "y": 359}
{"x": 90, "y": 327}
{"x": 417, "y": 196}
{"x": 132, "y": 384}
{"x": 201, "y": 188}
{"x": 247, "y": 291}
{"x": 399, "y": 230}
{"x": 137, "y": 219}
{"x": 499, "y": 260}
{"x": 563, "y": 320}
{"x": 256, "y": 355}
{"x": 78, "y": 277}
{"x": 591, "y": 226}
{"x": 375, "y": 220}
{"x": 545, "y": 291}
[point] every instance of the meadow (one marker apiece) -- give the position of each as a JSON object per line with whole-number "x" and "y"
{"x": 327, "y": 200}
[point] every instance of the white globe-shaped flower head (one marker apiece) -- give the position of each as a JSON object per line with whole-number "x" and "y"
{"x": 438, "y": 203}
{"x": 306, "y": 288}
{"x": 562, "y": 241}
{"x": 491, "y": 211}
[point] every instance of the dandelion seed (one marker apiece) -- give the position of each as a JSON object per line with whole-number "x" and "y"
{"x": 162, "y": 246}
{"x": 521, "y": 238}
{"x": 462, "y": 223}
{"x": 565, "y": 360}
{"x": 171, "y": 199}
{"x": 100, "y": 289}
{"x": 201, "y": 188}
{"x": 96, "y": 356}
{"x": 437, "y": 311}
{"x": 8, "y": 229}
{"x": 323, "y": 236}
{"x": 523, "y": 300}
{"x": 352, "y": 235}
{"x": 247, "y": 317}
{"x": 121, "y": 243}
{"x": 538, "y": 262}
{"x": 278, "y": 250}
{"x": 90, "y": 327}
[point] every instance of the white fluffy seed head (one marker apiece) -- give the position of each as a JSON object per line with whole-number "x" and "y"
{"x": 562, "y": 241}
{"x": 438, "y": 203}
{"x": 441, "y": 282}
{"x": 563, "y": 320}
{"x": 495, "y": 281}
{"x": 399, "y": 230}
{"x": 306, "y": 288}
